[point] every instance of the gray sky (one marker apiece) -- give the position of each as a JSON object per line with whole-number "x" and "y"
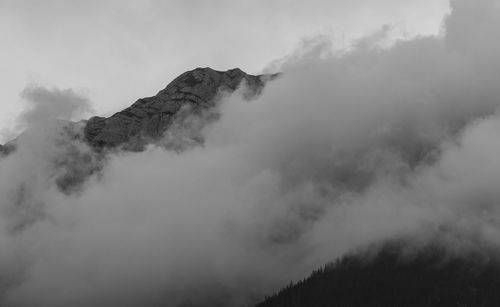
{"x": 114, "y": 52}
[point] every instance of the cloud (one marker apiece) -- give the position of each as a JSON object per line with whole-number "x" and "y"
{"x": 49, "y": 105}
{"x": 43, "y": 106}
{"x": 48, "y": 151}
{"x": 340, "y": 152}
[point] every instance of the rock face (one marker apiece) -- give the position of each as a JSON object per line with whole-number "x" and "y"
{"x": 148, "y": 118}
{"x": 146, "y": 121}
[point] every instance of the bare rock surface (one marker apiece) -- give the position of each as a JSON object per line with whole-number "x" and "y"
{"x": 148, "y": 118}
{"x": 154, "y": 119}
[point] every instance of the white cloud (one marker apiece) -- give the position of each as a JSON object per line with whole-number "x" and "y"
{"x": 340, "y": 152}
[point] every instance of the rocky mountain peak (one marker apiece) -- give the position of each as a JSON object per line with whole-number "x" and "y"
{"x": 148, "y": 118}
{"x": 146, "y": 121}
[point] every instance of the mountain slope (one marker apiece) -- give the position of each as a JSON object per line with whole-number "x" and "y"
{"x": 148, "y": 118}
{"x": 144, "y": 122}
{"x": 430, "y": 277}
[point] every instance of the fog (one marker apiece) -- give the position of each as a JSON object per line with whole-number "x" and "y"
{"x": 343, "y": 150}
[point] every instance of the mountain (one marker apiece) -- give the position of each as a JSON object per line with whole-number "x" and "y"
{"x": 148, "y": 118}
{"x": 192, "y": 94}
{"x": 394, "y": 276}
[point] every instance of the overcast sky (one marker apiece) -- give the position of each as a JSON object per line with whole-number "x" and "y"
{"x": 115, "y": 52}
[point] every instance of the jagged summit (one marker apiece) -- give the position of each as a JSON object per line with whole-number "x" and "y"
{"x": 146, "y": 121}
{"x": 148, "y": 118}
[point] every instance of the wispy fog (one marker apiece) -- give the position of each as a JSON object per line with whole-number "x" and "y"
{"x": 343, "y": 150}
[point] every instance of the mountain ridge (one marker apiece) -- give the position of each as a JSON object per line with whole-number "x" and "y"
{"x": 147, "y": 121}
{"x": 148, "y": 118}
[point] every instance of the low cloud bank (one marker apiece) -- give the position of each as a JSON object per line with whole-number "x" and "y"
{"x": 340, "y": 152}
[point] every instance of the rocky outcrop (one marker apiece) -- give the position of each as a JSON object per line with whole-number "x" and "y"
{"x": 148, "y": 118}
{"x": 153, "y": 119}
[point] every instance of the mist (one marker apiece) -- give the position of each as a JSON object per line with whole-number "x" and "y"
{"x": 344, "y": 150}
